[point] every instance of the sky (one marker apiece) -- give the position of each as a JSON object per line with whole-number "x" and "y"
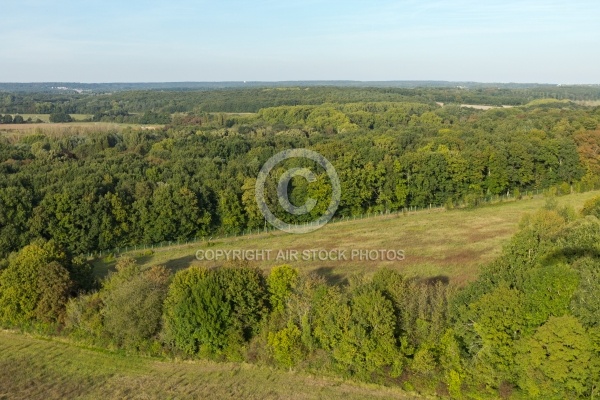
{"x": 526, "y": 41}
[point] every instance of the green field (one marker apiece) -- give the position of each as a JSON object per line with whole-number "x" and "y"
{"x": 34, "y": 368}
{"x": 437, "y": 243}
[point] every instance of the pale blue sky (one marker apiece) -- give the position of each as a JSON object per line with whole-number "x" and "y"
{"x": 268, "y": 40}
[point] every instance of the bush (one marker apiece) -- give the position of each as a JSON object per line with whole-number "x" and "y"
{"x": 517, "y": 194}
{"x": 471, "y": 200}
{"x": 60, "y": 117}
{"x": 286, "y": 345}
{"x": 592, "y": 207}
{"x": 133, "y": 305}
{"x": 83, "y": 317}
{"x": 35, "y": 285}
{"x": 359, "y": 333}
{"x": 281, "y": 281}
{"x": 214, "y": 312}
{"x": 54, "y": 285}
{"x": 563, "y": 189}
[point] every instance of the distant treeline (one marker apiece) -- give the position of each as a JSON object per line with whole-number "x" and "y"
{"x": 242, "y": 100}
{"x": 183, "y": 86}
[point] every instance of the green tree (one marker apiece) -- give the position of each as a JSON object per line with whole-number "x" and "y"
{"x": 586, "y": 302}
{"x": 286, "y": 345}
{"x": 281, "y": 282}
{"x": 34, "y": 284}
{"x": 133, "y": 301}
{"x": 214, "y": 312}
{"x": 245, "y": 290}
{"x": 54, "y": 286}
{"x": 548, "y": 292}
{"x": 498, "y": 321}
{"x": 592, "y": 207}
{"x": 60, "y": 117}
{"x": 230, "y": 210}
{"x": 84, "y": 318}
{"x": 176, "y": 214}
{"x": 69, "y": 218}
{"x": 254, "y": 217}
{"x": 451, "y": 363}
{"x": 115, "y": 224}
{"x": 16, "y": 207}
{"x": 362, "y": 341}
{"x": 555, "y": 362}
{"x": 195, "y": 315}
{"x": 151, "y": 117}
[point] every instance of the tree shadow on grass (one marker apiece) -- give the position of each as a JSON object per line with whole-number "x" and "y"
{"x": 433, "y": 280}
{"x": 144, "y": 259}
{"x": 180, "y": 263}
{"x": 330, "y": 276}
{"x": 102, "y": 267}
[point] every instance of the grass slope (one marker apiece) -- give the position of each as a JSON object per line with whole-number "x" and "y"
{"x": 437, "y": 243}
{"x": 34, "y": 368}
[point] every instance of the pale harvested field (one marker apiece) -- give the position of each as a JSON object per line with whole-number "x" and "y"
{"x": 50, "y": 126}
{"x": 14, "y": 132}
{"x": 476, "y": 106}
{"x": 589, "y": 103}
{"x": 483, "y": 107}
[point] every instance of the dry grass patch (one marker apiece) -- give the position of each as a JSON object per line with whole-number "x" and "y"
{"x": 453, "y": 243}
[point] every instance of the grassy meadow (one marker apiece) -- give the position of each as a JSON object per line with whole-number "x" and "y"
{"x": 437, "y": 243}
{"x": 37, "y": 368}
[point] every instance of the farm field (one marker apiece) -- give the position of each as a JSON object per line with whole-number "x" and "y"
{"x": 16, "y": 131}
{"x": 46, "y": 117}
{"x": 437, "y": 243}
{"x": 35, "y": 368}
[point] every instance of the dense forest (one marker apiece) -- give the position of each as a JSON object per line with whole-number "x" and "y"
{"x": 528, "y": 326}
{"x": 196, "y": 176}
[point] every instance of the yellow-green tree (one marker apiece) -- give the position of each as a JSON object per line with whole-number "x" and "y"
{"x": 35, "y": 284}
{"x": 556, "y": 361}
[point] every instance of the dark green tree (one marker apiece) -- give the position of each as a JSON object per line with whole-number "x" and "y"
{"x": 60, "y": 117}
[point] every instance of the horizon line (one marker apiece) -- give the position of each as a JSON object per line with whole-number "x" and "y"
{"x": 302, "y": 81}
